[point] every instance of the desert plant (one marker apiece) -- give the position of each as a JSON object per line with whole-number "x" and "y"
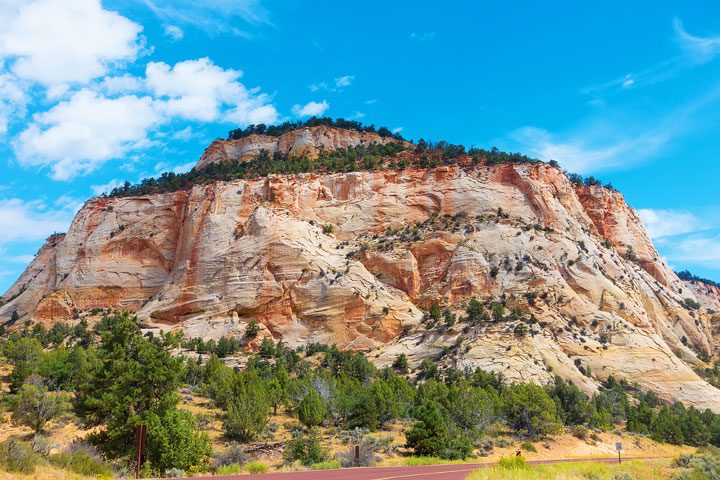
{"x": 256, "y": 467}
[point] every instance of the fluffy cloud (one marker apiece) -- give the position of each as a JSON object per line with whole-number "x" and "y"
{"x": 200, "y": 90}
{"x": 311, "y": 109}
{"x": 665, "y": 223}
{"x": 13, "y": 100}
{"x": 29, "y": 221}
{"x": 175, "y": 33}
{"x": 65, "y": 41}
{"x": 84, "y": 131}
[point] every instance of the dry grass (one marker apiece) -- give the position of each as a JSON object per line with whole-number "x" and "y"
{"x": 640, "y": 470}
{"x": 45, "y": 473}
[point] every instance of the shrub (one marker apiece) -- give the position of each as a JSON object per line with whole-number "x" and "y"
{"x": 80, "y": 462}
{"x": 175, "y": 473}
{"x": 256, "y": 467}
{"x": 231, "y": 469}
{"x": 312, "y": 410}
{"x": 305, "y": 448}
{"x": 327, "y": 229}
{"x": 248, "y": 408}
{"x": 176, "y": 442}
{"x": 513, "y": 463}
{"x": 431, "y": 435}
{"x": 33, "y": 406}
{"x": 326, "y": 465}
{"x": 530, "y": 411}
{"x": 252, "y": 329}
{"x": 528, "y": 446}
{"x": 579, "y": 432}
{"x": 18, "y": 457}
{"x": 233, "y": 454}
{"x": 366, "y": 458}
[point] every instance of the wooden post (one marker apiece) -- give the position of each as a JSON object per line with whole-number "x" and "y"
{"x": 357, "y": 455}
{"x": 140, "y": 436}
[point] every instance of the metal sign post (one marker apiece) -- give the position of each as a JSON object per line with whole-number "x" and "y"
{"x": 618, "y": 447}
{"x": 140, "y": 437}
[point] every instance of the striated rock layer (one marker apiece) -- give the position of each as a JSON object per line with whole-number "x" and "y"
{"x": 352, "y": 258}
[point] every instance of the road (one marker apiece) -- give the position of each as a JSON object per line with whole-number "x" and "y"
{"x": 431, "y": 472}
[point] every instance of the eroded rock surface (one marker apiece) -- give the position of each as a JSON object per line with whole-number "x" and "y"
{"x": 353, "y": 258}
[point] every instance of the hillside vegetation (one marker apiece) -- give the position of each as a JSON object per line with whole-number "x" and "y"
{"x": 111, "y": 377}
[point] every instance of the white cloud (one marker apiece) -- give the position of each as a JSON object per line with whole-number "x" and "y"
{"x": 79, "y": 134}
{"x": 397, "y": 130}
{"x": 106, "y": 187}
{"x": 200, "y": 90}
{"x": 65, "y": 41}
{"x": 174, "y": 32}
{"x": 694, "y": 250}
{"x": 701, "y": 48}
{"x": 316, "y": 87}
{"x": 213, "y": 16}
{"x": 29, "y": 221}
{"x": 21, "y": 259}
{"x": 629, "y": 82}
{"x": 121, "y": 84}
{"x": 372, "y": 101}
{"x": 311, "y": 109}
{"x": 13, "y": 100}
{"x": 579, "y": 155}
{"x": 344, "y": 81}
{"x": 663, "y": 223}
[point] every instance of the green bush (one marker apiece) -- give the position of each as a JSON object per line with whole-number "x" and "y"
{"x": 80, "y": 462}
{"x": 305, "y": 448}
{"x": 513, "y": 463}
{"x": 312, "y": 410}
{"x": 174, "y": 441}
{"x": 530, "y": 411}
{"x": 528, "y": 446}
{"x": 256, "y": 467}
{"x": 232, "y": 469}
{"x": 18, "y": 457}
{"x": 431, "y": 435}
{"x": 326, "y": 465}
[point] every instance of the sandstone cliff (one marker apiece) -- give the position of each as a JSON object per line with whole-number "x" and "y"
{"x": 354, "y": 258}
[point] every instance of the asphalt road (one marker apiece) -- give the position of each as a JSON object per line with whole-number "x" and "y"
{"x": 431, "y": 472}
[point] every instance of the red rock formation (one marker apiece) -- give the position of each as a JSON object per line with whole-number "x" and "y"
{"x": 213, "y": 258}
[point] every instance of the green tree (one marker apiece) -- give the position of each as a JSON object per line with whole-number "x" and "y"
{"x": 33, "y": 407}
{"x": 431, "y": 435}
{"x": 130, "y": 379}
{"x": 267, "y": 348}
{"x": 666, "y": 427}
{"x": 401, "y": 364}
{"x": 24, "y": 353}
{"x": 248, "y": 407}
{"x": 176, "y": 441}
{"x": 312, "y": 410}
{"x": 472, "y": 409}
{"x": 252, "y": 329}
{"x": 530, "y": 411}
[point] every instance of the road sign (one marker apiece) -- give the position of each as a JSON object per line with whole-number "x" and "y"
{"x": 618, "y": 446}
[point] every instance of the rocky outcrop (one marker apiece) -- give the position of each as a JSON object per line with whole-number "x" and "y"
{"x": 353, "y": 258}
{"x": 303, "y": 142}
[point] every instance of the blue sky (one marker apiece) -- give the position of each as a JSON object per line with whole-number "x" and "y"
{"x": 93, "y": 93}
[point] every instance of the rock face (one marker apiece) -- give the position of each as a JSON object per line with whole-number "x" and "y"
{"x": 303, "y": 142}
{"x": 353, "y": 258}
